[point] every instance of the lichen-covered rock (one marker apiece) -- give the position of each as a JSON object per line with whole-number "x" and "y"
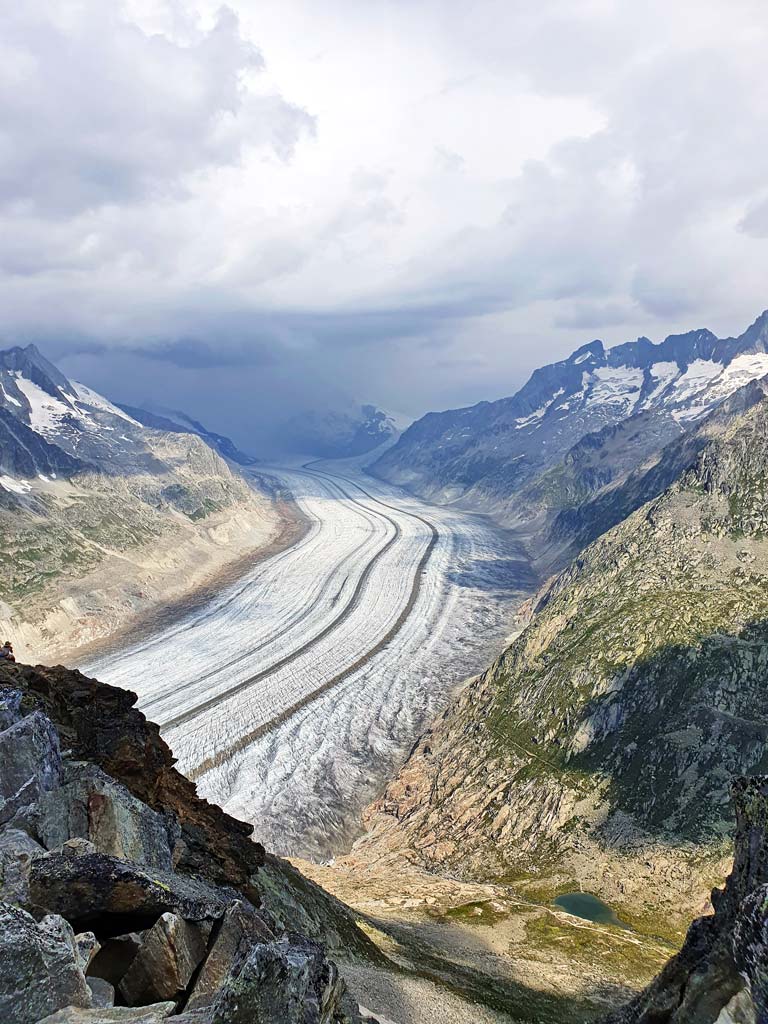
{"x": 31, "y": 760}
{"x": 284, "y": 982}
{"x": 17, "y": 850}
{"x": 240, "y": 929}
{"x": 92, "y": 805}
{"x": 84, "y": 888}
{"x": 87, "y": 948}
{"x": 171, "y": 952}
{"x": 10, "y": 708}
{"x": 39, "y": 967}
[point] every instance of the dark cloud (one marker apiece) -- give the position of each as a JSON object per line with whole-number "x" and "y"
{"x": 488, "y": 185}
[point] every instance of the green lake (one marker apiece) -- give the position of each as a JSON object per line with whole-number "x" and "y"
{"x": 589, "y": 907}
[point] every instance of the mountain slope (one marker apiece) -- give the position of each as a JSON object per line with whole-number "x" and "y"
{"x": 501, "y": 456}
{"x": 100, "y": 516}
{"x": 598, "y": 750}
{"x": 171, "y": 420}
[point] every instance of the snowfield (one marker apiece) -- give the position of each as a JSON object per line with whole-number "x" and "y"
{"x": 293, "y": 694}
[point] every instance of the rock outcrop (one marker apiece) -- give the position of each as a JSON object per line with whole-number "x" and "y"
{"x": 123, "y": 895}
{"x": 720, "y": 975}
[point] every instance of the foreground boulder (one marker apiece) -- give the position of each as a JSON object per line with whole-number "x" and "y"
{"x": 104, "y": 904}
{"x": 289, "y": 980}
{"x": 87, "y": 887}
{"x": 170, "y": 954}
{"x": 40, "y": 968}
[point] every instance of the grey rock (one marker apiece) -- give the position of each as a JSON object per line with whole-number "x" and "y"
{"x": 10, "y": 708}
{"x": 39, "y": 968}
{"x": 163, "y": 967}
{"x": 285, "y": 982}
{"x": 240, "y": 928}
{"x": 31, "y": 760}
{"x": 17, "y": 849}
{"x": 113, "y": 1015}
{"x": 77, "y": 847}
{"x": 102, "y": 993}
{"x": 740, "y": 1010}
{"x": 87, "y": 948}
{"x": 93, "y": 806}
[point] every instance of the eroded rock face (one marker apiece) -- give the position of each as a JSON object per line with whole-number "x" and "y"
{"x": 239, "y": 929}
{"x": 31, "y": 760}
{"x": 100, "y": 724}
{"x": 92, "y": 805}
{"x": 39, "y": 967}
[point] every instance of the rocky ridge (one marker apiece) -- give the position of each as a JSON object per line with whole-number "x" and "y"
{"x": 577, "y": 428}
{"x": 121, "y": 887}
{"x": 599, "y": 749}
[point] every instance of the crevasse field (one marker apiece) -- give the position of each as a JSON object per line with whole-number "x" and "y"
{"x": 291, "y": 696}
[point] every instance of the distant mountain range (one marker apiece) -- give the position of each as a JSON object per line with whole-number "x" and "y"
{"x": 338, "y": 434}
{"x": 576, "y": 428}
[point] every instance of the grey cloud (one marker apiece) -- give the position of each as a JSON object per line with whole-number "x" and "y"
{"x": 95, "y": 111}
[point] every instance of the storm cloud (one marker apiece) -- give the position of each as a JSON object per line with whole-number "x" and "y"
{"x": 250, "y": 209}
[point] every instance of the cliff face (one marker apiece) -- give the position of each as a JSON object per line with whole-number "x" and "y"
{"x": 119, "y": 884}
{"x": 719, "y": 976}
{"x": 600, "y": 747}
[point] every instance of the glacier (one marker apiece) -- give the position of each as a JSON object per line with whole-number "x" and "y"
{"x": 293, "y": 694}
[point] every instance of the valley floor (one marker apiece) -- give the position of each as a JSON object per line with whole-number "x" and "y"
{"x": 293, "y": 694}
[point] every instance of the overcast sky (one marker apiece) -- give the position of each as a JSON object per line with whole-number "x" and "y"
{"x": 251, "y": 208}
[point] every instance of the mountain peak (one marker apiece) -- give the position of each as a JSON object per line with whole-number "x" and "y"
{"x": 756, "y": 335}
{"x": 593, "y": 349}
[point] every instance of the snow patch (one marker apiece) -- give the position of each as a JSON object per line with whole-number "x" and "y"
{"x": 538, "y": 414}
{"x": 615, "y": 385}
{"x": 45, "y": 411}
{"x": 9, "y": 398}
{"x": 699, "y": 374}
{"x": 17, "y": 486}
{"x": 740, "y": 371}
{"x": 97, "y": 401}
{"x": 663, "y": 374}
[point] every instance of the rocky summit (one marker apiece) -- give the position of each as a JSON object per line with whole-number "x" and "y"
{"x": 125, "y": 897}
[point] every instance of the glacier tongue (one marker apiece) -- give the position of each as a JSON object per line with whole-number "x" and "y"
{"x": 293, "y": 694}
